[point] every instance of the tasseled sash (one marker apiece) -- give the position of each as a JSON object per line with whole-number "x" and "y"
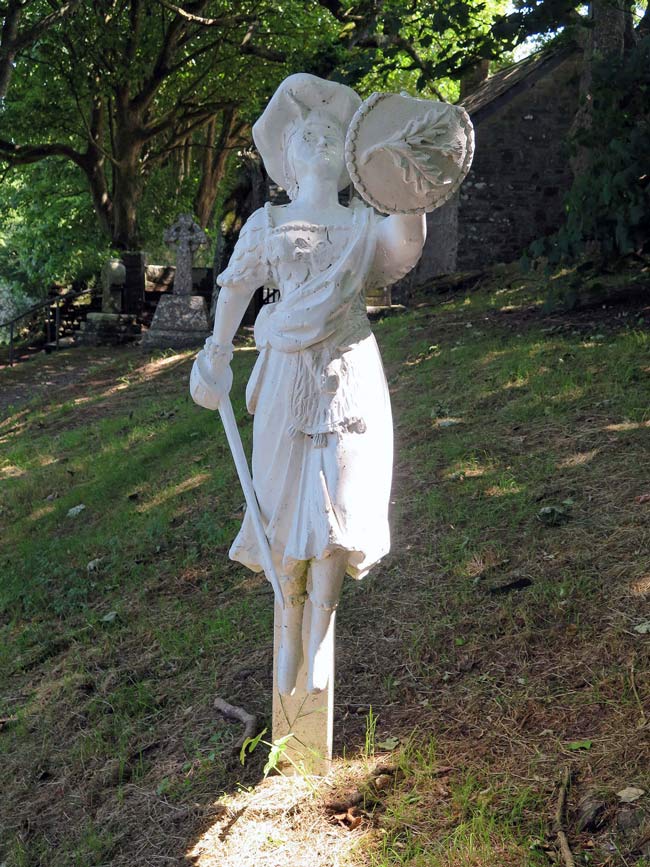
{"x": 319, "y": 321}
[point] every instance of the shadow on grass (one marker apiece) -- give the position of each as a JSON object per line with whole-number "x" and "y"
{"x": 490, "y": 650}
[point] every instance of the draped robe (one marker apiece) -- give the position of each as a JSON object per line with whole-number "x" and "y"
{"x": 322, "y": 433}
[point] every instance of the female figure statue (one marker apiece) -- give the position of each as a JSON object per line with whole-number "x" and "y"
{"x": 322, "y": 436}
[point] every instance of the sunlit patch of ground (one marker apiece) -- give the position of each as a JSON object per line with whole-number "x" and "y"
{"x": 189, "y": 484}
{"x": 282, "y": 820}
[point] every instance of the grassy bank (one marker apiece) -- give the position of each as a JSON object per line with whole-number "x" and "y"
{"x": 501, "y": 641}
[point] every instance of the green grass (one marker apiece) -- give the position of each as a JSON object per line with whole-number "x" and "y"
{"x": 472, "y": 823}
{"x": 489, "y": 640}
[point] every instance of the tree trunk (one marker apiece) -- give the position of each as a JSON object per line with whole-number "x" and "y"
{"x": 94, "y": 163}
{"x": 127, "y": 174}
{"x": 126, "y": 197}
{"x": 606, "y": 38}
{"x": 215, "y": 159}
{"x": 8, "y": 37}
{"x": 94, "y": 169}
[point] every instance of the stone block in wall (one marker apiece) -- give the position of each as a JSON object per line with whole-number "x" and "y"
{"x": 521, "y": 174}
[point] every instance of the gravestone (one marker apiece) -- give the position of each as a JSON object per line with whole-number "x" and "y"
{"x": 181, "y": 318}
{"x": 112, "y": 326}
{"x": 113, "y": 277}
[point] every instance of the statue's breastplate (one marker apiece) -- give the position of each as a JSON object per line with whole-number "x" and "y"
{"x": 297, "y": 252}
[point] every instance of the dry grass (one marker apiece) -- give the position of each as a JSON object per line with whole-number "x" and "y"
{"x": 496, "y": 645}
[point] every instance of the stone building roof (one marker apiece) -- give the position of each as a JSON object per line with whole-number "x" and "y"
{"x": 504, "y": 84}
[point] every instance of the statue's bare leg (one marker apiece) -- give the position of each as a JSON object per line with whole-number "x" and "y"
{"x": 290, "y": 655}
{"x": 326, "y": 580}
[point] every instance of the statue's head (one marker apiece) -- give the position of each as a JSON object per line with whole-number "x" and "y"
{"x": 303, "y": 130}
{"x": 316, "y": 147}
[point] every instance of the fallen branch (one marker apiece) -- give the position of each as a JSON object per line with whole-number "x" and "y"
{"x": 558, "y": 822}
{"x": 231, "y": 711}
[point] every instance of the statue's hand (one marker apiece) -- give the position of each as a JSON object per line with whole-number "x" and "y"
{"x": 211, "y": 377}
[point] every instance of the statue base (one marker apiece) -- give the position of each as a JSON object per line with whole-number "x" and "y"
{"x": 308, "y": 717}
{"x": 180, "y": 322}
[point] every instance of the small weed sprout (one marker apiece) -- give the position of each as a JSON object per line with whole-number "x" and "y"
{"x": 277, "y": 750}
{"x": 371, "y": 728}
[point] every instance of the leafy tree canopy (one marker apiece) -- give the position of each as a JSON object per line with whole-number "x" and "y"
{"x": 142, "y": 103}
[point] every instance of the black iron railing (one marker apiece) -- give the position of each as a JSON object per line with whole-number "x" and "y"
{"x": 51, "y": 309}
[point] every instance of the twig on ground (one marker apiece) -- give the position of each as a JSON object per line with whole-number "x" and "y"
{"x": 642, "y": 719}
{"x": 558, "y": 822}
{"x": 635, "y": 852}
{"x": 639, "y": 846}
{"x": 232, "y": 711}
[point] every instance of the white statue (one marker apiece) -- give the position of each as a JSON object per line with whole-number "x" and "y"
{"x": 322, "y": 436}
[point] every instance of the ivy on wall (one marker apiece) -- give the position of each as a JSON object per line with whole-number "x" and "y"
{"x": 608, "y": 206}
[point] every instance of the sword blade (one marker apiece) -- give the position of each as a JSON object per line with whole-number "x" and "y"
{"x": 241, "y": 464}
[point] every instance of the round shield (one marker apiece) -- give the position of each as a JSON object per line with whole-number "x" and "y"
{"x": 407, "y": 155}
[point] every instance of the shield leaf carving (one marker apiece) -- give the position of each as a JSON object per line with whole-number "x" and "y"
{"x": 426, "y": 150}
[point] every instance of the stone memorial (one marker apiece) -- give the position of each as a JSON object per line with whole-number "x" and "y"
{"x": 113, "y": 278}
{"x": 317, "y": 502}
{"x": 112, "y": 326}
{"x": 181, "y": 319}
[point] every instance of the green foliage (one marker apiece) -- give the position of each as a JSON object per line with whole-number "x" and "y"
{"x": 48, "y": 232}
{"x": 126, "y": 94}
{"x": 13, "y": 302}
{"x": 250, "y": 744}
{"x": 608, "y": 206}
{"x": 371, "y": 731}
{"x": 277, "y": 754}
{"x": 423, "y": 48}
{"x": 108, "y": 76}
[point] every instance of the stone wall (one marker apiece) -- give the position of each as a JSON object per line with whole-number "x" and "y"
{"x": 520, "y": 174}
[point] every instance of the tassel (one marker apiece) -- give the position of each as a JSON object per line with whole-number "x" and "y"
{"x": 320, "y": 440}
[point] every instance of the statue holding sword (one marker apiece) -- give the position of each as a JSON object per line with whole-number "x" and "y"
{"x": 322, "y": 436}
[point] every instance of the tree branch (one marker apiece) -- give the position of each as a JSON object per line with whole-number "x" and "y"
{"x": 22, "y": 155}
{"x": 206, "y": 22}
{"x": 135, "y": 21}
{"x": 178, "y": 119}
{"x": 161, "y": 68}
{"x": 247, "y": 47}
{"x": 178, "y": 138}
{"x": 264, "y": 53}
{"x": 8, "y": 37}
{"x": 31, "y": 34}
{"x": 335, "y": 8}
{"x": 193, "y": 55}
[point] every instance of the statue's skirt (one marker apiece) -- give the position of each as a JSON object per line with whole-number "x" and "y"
{"x": 320, "y": 493}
